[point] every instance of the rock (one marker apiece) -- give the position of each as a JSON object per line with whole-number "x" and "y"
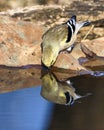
{"x": 19, "y": 42}
{"x": 71, "y": 61}
{"x": 67, "y": 61}
{"x": 20, "y": 45}
{"x": 99, "y": 31}
{"x": 96, "y": 46}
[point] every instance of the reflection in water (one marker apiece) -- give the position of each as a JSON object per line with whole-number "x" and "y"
{"x": 87, "y": 115}
{"x": 58, "y": 92}
{"x": 24, "y": 110}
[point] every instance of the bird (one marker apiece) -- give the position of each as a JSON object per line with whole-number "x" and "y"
{"x": 58, "y": 38}
{"x": 59, "y": 92}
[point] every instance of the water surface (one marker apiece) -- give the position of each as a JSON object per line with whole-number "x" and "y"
{"x": 43, "y": 102}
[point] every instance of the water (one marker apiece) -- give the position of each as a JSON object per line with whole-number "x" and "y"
{"x": 26, "y": 103}
{"x": 86, "y": 115}
{"x": 24, "y": 110}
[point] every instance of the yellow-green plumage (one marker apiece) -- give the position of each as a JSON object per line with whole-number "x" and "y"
{"x": 56, "y": 39}
{"x": 57, "y": 34}
{"x": 55, "y": 91}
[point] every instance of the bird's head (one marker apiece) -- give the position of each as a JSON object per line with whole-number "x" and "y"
{"x": 49, "y": 56}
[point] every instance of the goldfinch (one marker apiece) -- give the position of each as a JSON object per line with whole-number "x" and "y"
{"x": 58, "y": 38}
{"x": 59, "y": 92}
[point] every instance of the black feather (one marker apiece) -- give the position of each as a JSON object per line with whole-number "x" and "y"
{"x": 69, "y": 34}
{"x": 73, "y": 26}
{"x": 67, "y": 97}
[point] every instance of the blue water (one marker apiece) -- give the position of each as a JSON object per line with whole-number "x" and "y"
{"x": 24, "y": 110}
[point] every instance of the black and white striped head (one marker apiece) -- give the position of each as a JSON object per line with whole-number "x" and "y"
{"x": 74, "y": 27}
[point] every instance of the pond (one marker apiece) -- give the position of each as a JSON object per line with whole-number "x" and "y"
{"x": 32, "y": 100}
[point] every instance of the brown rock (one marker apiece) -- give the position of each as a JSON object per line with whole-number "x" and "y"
{"x": 20, "y": 45}
{"x": 67, "y": 61}
{"x": 96, "y": 45}
{"x": 99, "y": 31}
{"x": 19, "y": 42}
{"x": 71, "y": 61}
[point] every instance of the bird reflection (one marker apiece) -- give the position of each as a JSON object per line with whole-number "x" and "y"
{"x": 60, "y": 92}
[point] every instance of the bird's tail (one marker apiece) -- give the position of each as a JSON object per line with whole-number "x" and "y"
{"x": 82, "y": 24}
